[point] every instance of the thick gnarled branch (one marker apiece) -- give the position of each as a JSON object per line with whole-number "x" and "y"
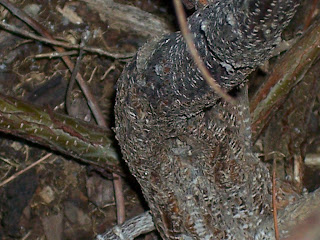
{"x": 189, "y": 149}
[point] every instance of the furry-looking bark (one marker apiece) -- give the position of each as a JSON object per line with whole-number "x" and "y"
{"x": 189, "y": 150}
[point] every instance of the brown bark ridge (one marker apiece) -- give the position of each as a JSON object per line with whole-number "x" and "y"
{"x": 189, "y": 150}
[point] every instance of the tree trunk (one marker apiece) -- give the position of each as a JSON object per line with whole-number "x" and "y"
{"x": 189, "y": 150}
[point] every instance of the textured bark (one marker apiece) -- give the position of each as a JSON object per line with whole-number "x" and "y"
{"x": 189, "y": 150}
{"x": 298, "y": 221}
{"x": 130, "y": 229}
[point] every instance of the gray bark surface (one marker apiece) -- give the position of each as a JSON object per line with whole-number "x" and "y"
{"x": 190, "y": 150}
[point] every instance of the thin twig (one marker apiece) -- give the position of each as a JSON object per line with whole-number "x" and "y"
{"x": 26, "y": 236}
{"x": 117, "y": 183}
{"x": 92, "y": 74}
{"x": 7, "y": 161}
{"x": 73, "y": 77}
{"x": 56, "y": 54}
{"x": 24, "y": 170}
{"x": 27, "y": 34}
{"x": 195, "y": 55}
{"x": 274, "y": 201}
{"x": 112, "y": 67}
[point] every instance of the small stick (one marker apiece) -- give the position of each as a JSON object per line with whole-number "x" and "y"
{"x": 56, "y": 54}
{"x": 92, "y": 74}
{"x": 73, "y": 75}
{"x": 274, "y": 201}
{"x": 24, "y": 170}
{"x": 112, "y": 67}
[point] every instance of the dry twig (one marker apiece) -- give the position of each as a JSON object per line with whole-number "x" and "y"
{"x": 24, "y": 170}
{"x": 274, "y": 200}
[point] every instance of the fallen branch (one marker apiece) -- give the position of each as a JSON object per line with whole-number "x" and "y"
{"x": 70, "y": 136}
{"x": 130, "y": 229}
